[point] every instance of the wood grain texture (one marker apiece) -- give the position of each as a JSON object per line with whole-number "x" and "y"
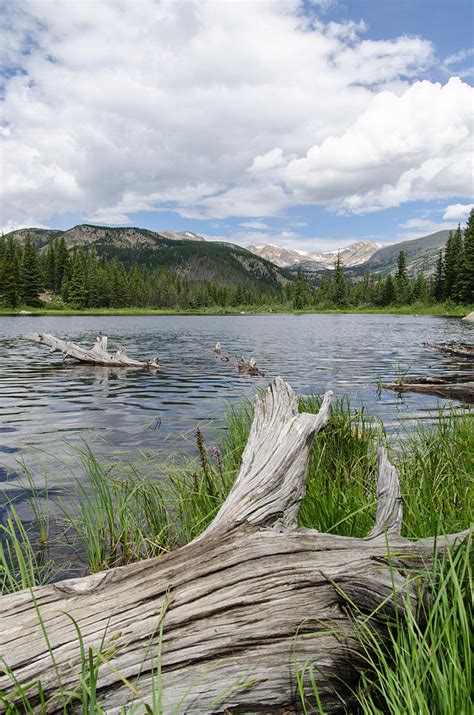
{"x": 96, "y": 355}
{"x": 243, "y": 607}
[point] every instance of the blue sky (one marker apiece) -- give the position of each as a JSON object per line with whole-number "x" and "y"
{"x": 304, "y": 124}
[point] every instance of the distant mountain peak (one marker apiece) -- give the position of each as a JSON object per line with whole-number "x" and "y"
{"x": 355, "y": 254}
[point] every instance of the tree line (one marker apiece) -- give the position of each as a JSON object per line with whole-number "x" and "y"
{"x": 81, "y": 279}
{"x": 453, "y": 280}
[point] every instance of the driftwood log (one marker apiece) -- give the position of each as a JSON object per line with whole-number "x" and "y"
{"x": 96, "y": 355}
{"x": 244, "y": 367}
{"x": 464, "y": 350}
{"x": 238, "y": 611}
{"x": 454, "y": 388}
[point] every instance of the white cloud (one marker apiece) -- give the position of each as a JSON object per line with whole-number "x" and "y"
{"x": 218, "y": 109}
{"x": 260, "y": 225}
{"x": 458, "y": 57}
{"x": 457, "y": 212}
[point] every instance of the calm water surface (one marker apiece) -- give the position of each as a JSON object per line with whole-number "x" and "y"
{"x": 47, "y": 404}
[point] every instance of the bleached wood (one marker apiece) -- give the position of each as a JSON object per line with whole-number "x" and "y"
{"x": 96, "y": 355}
{"x": 388, "y": 518}
{"x": 245, "y": 605}
{"x": 272, "y": 476}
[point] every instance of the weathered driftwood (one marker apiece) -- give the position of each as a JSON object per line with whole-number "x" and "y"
{"x": 96, "y": 355}
{"x": 250, "y": 367}
{"x": 465, "y": 350}
{"x": 455, "y": 387}
{"x": 242, "y": 607}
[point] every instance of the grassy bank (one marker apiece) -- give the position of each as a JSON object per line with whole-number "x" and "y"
{"x": 119, "y": 516}
{"x": 440, "y": 309}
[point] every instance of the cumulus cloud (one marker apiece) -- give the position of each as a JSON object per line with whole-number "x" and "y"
{"x": 457, "y": 212}
{"x": 218, "y": 109}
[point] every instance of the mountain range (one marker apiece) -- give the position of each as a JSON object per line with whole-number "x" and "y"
{"x": 263, "y": 265}
{"x": 192, "y": 257}
{"x": 353, "y": 255}
{"x": 357, "y": 258}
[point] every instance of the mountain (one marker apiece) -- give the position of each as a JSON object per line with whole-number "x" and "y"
{"x": 355, "y": 254}
{"x": 186, "y": 253}
{"x": 421, "y": 254}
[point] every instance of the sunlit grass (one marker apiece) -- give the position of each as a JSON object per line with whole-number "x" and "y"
{"x": 118, "y": 515}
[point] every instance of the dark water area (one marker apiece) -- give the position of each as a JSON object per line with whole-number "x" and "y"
{"x": 48, "y": 404}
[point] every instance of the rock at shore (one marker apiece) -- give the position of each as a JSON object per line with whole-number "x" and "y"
{"x": 469, "y": 317}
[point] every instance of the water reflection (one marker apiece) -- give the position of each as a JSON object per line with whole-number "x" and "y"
{"x": 45, "y": 400}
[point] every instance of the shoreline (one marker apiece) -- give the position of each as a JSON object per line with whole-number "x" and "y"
{"x": 436, "y": 311}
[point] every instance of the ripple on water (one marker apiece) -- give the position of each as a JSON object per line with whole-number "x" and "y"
{"x": 44, "y": 400}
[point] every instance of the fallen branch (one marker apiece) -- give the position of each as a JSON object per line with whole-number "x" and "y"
{"x": 464, "y": 350}
{"x": 96, "y": 355}
{"x": 245, "y": 605}
{"x": 456, "y": 388}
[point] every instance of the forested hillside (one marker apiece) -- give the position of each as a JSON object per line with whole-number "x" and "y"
{"x": 94, "y": 267}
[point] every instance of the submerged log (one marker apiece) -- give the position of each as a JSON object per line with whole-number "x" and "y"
{"x": 96, "y": 355}
{"x": 465, "y": 350}
{"x": 455, "y": 387}
{"x": 250, "y": 367}
{"x": 225, "y": 622}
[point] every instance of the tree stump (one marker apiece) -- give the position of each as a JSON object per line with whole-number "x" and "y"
{"x": 233, "y": 615}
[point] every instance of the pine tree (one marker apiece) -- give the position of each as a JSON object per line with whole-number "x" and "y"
{"x": 438, "y": 281}
{"x": 92, "y": 281}
{"x": 389, "y": 293}
{"x": 467, "y": 269}
{"x": 10, "y": 275}
{"x": 420, "y": 290}
{"x": 339, "y": 283}
{"x": 77, "y": 294}
{"x": 118, "y": 285}
{"x": 453, "y": 261}
{"x": 50, "y": 268}
{"x": 402, "y": 285}
{"x": 299, "y": 296}
{"x": 29, "y": 274}
{"x": 62, "y": 264}
{"x": 458, "y": 260}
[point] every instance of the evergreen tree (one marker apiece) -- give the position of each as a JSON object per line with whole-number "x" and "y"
{"x": 389, "y": 293}
{"x": 420, "y": 290}
{"x": 92, "y": 281}
{"x": 458, "y": 260}
{"x": 453, "y": 261}
{"x": 62, "y": 264}
{"x": 402, "y": 285}
{"x": 29, "y": 274}
{"x": 118, "y": 284}
{"x": 438, "y": 281}
{"x": 300, "y": 292}
{"x": 10, "y": 275}
{"x": 50, "y": 282}
{"x": 467, "y": 269}
{"x": 77, "y": 294}
{"x": 339, "y": 283}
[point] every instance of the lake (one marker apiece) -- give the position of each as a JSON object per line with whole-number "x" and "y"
{"x": 47, "y": 405}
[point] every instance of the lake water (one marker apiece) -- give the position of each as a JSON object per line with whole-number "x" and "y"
{"x": 47, "y": 404}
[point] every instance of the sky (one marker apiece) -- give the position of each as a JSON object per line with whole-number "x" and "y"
{"x": 308, "y": 124}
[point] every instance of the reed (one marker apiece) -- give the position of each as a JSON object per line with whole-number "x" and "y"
{"x": 119, "y": 515}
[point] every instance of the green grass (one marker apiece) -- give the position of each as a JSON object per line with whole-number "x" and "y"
{"x": 118, "y": 516}
{"x": 439, "y": 309}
